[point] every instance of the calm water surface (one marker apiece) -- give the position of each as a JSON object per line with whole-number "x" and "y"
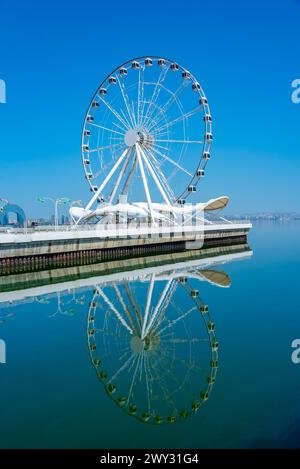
{"x": 214, "y": 368}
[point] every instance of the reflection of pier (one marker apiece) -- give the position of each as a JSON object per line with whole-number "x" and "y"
{"x": 26, "y": 286}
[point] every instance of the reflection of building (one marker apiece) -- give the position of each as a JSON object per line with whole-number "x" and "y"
{"x": 12, "y": 209}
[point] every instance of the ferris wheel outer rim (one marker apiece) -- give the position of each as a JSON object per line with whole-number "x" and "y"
{"x": 205, "y": 147}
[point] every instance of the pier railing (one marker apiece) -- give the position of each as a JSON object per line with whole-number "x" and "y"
{"x": 102, "y": 228}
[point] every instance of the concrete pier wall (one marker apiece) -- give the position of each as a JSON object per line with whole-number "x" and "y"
{"x": 22, "y": 254}
{"x": 111, "y": 268}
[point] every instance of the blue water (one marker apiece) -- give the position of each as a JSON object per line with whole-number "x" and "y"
{"x": 52, "y": 395}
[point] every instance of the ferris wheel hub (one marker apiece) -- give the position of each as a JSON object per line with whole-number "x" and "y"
{"x": 134, "y": 136}
{"x": 136, "y": 344}
{"x": 146, "y": 139}
{"x": 131, "y": 137}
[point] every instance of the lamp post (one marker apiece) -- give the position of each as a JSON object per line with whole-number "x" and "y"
{"x": 56, "y": 203}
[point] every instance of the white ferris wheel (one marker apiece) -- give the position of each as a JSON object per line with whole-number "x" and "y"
{"x": 147, "y": 135}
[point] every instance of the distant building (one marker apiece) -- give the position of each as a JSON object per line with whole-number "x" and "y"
{"x": 65, "y": 220}
{"x": 12, "y": 214}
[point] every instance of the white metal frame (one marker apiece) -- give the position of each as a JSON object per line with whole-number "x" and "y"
{"x": 149, "y": 121}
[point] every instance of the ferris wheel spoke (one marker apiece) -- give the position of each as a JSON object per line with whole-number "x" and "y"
{"x": 97, "y": 174}
{"x": 106, "y": 128}
{"x": 124, "y": 353}
{"x": 134, "y": 114}
{"x": 187, "y": 115}
{"x": 172, "y": 99}
{"x": 131, "y": 366}
{"x": 116, "y": 114}
{"x": 105, "y": 148}
{"x": 150, "y": 380}
{"x": 122, "y": 368}
{"x": 134, "y": 378}
{"x": 126, "y": 119}
{"x": 161, "y": 175}
{"x": 161, "y": 147}
{"x": 160, "y": 373}
{"x": 126, "y": 100}
{"x": 167, "y": 158}
{"x": 119, "y": 127}
{"x": 163, "y": 386}
{"x": 147, "y": 383}
{"x": 179, "y": 141}
{"x": 180, "y": 318}
{"x": 192, "y": 340}
{"x": 155, "y": 94}
{"x": 110, "y": 333}
{"x": 140, "y": 96}
{"x": 154, "y": 176}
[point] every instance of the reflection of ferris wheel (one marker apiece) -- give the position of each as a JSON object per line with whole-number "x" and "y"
{"x": 153, "y": 347}
{"x": 147, "y": 130}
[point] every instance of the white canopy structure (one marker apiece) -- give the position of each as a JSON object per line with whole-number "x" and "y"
{"x": 140, "y": 210}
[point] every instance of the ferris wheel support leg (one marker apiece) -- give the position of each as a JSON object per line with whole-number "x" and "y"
{"x": 111, "y": 173}
{"x": 152, "y": 172}
{"x": 125, "y": 309}
{"x": 129, "y": 176}
{"x": 124, "y": 167}
{"x": 144, "y": 181}
{"x": 114, "y": 309}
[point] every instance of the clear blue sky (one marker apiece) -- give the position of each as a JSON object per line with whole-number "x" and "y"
{"x": 54, "y": 54}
